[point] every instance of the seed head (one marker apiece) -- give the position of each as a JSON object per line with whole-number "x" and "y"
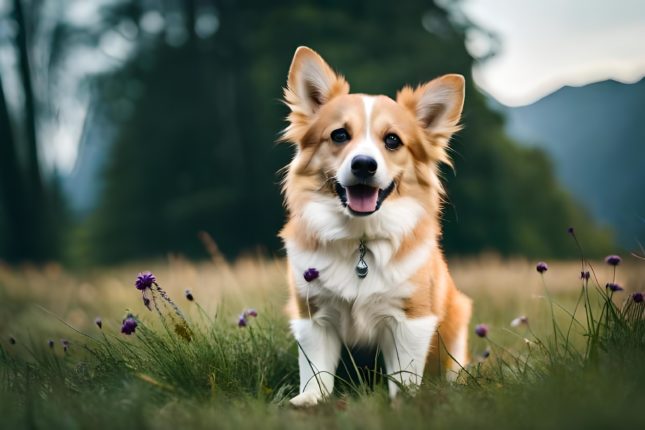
{"x": 98, "y": 322}
{"x": 129, "y": 325}
{"x": 613, "y": 287}
{"x": 613, "y": 260}
{"x": 65, "y": 344}
{"x": 585, "y": 275}
{"x": 12, "y": 340}
{"x": 521, "y": 320}
{"x": 50, "y": 343}
{"x": 541, "y": 267}
{"x": 481, "y": 330}
{"x": 486, "y": 354}
{"x": 189, "y": 296}
{"x": 311, "y": 274}
{"x": 637, "y": 297}
{"x": 145, "y": 280}
{"x": 570, "y": 230}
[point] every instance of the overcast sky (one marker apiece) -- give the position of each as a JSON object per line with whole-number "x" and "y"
{"x": 550, "y": 43}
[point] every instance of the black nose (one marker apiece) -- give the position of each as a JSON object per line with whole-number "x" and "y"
{"x": 363, "y": 166}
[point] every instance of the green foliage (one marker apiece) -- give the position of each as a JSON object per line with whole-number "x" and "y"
{"x": 197, "y": 125}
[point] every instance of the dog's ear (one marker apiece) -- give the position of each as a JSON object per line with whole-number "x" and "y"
{"x": 436, "y": 104}
{"x": 311, "y": 82}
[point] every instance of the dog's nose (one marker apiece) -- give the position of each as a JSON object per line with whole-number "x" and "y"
{"x": 363, "y": 166}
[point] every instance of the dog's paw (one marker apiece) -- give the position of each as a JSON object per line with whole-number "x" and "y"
{"x": 306, "y": 399}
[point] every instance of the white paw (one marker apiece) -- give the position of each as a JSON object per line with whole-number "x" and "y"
{"x": 306, "y": 399}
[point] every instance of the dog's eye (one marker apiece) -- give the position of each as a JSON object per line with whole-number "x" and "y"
{"x": 340, "y": 135}
{"x": 392, "y": 141}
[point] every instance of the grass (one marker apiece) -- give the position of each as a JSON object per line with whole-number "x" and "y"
{"x": 578, "y": 363}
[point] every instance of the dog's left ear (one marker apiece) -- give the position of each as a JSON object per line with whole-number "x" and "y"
{"x": 436, "y": 104}
{"x": 311, "y": 83}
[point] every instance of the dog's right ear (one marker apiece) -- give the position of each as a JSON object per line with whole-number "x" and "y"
{"x": 311, "y": 82}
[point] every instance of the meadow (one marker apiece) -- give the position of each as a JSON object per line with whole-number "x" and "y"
{"x": 195, "y": 366}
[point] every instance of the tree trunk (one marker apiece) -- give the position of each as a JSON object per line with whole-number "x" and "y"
{"x": 11, "y": 193}
{"x": 33, "y": 165}
{"x": 191, "y": 19}
{"x": 34, "y": 237}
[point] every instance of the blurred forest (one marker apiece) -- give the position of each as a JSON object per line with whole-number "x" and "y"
{"x": 187, "y": 124}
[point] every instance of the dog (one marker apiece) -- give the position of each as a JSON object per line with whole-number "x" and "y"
{"x": 363, "y": 196}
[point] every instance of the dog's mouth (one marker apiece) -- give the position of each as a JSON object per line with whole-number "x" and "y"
{"x": 363, "y": 199}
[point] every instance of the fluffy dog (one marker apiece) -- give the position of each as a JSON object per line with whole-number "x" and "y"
{"x": 364, "y": 199}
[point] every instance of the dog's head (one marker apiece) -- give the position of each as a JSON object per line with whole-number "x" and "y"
{"x": 365, "y": 151}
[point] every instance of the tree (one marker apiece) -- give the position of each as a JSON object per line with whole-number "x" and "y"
{"x": 11, "y": 188}
{"x": 31, "y": 210}
{"x": 196, "y": 153}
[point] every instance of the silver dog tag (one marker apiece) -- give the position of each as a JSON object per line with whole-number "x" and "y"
{"x": 361, "y": 266}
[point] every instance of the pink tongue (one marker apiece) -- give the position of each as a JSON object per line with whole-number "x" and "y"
{"x": 362, "y": 198}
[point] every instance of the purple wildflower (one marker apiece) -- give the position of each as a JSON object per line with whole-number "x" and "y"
{"x": 129, "y": 325}
{"x": 311, "y": 274}
{"x": 613, "y": 260}
{"x": 99, "y": 322}
{"x": 613, "y": 287}
{"x": 189, "y": 296}
{"x": 486, "y": 354}
{"x": 585, "y": 275}
{"x": 570, "y": 230}
{"x": 12, "y": 340}
{"x": 241, "y": 321}
{"x": 50, "y": 342}
{"x": 481, "y": 330}
{"x": 637, "y": 297}
{"x": 541, "y": 267}
{"x": 145, "y": 280}
{"x": 65, "y": 344}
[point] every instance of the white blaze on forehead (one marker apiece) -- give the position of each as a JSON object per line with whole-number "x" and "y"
{"x": 366, "y": 146}
{"x": 368, "y": 103}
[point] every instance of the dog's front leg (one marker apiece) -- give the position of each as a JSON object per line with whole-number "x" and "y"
{"x": 318, "y": 355}
{"x": 405, "y": 344}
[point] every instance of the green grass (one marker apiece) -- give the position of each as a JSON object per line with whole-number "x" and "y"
{"x": 204, "y": 371}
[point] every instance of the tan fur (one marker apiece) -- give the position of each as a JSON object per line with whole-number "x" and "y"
{"x": 415, "y": 168}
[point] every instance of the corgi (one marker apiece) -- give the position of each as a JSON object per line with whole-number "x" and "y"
{"x": 363, "y": 197}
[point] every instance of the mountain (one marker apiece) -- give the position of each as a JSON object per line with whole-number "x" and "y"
{"x": 595, "y": 135}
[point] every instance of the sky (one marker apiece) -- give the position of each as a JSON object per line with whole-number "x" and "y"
{"x": 546, "y": 44}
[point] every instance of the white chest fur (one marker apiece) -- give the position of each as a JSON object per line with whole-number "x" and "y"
{"x": 359, "y": 308}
